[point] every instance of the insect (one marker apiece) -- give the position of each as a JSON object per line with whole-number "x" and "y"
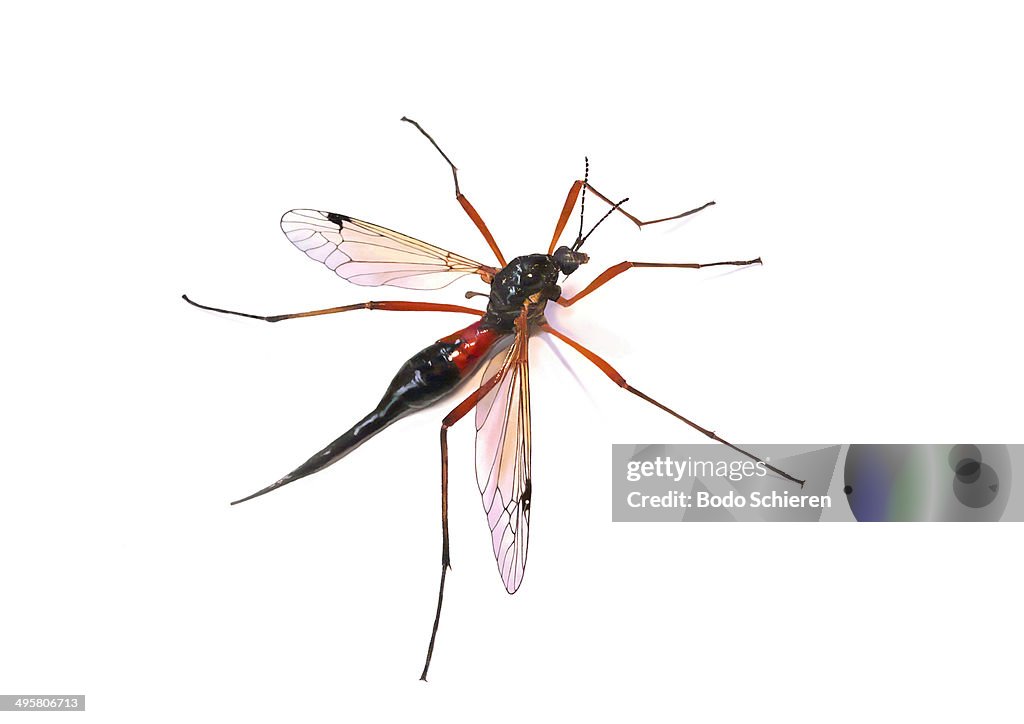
{"x": 519, "y": 291}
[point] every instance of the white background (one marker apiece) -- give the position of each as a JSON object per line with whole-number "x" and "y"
{"x": 871, "y": 155}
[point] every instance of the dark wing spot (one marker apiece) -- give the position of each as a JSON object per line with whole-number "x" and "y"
{"x": 337, "y": 218}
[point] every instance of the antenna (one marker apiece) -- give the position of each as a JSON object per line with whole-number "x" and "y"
{"x": 580, "y": 240}
{"x": 583, "y": 198}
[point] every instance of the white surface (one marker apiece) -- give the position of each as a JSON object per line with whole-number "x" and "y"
{"x": 872, "y": 156}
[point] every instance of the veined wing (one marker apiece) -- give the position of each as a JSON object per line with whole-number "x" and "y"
{"x": 503, "y": 458}
{"x": 373, "y": 256}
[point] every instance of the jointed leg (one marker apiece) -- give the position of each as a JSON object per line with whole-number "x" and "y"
{"x": 574, "y": 193}
{"x": 386, "y": 306}
{"x": 640, "y": 224}
{"x": 563, "y": 218}
{"x": 608, "y": 274}
{"x": 463, "y": 201}
{"x": 618, "y": 379}
{"x": 454, "y": 416}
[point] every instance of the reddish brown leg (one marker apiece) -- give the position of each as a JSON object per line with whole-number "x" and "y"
{"x": 618, "y": 379}
{"x": 574, "y": 193}
{"x": 386, "y": 306}
{"x": 608, "y": 274}
{"x": 463, "y": 201}
{"x": 454, "y": 416}
{"x": 476, "y": 219}
{"x": 563, "y": 219}
{"x": 640, "y": 224}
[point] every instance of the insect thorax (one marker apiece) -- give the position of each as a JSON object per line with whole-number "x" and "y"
{"x": 532, "y": 278}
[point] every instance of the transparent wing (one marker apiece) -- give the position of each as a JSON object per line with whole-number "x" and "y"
{"x": 372, "y": 256}
{"x": 503, "y": 459}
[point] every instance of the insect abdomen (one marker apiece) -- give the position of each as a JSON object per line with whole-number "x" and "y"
{"x": 425, "y": 378}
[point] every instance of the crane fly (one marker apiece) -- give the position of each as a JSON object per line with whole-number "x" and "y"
{"x": 519, "y": 291}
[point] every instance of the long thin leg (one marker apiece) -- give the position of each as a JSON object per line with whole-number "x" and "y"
{"x": 563, "y": 218}
{"x": 386, "y": 306}
{"x": 573, "y": 195}
{"x": 454, "y": 416}
{"x": 640, "y": 224}
{"x": 611, "y": 272}
{"x": 463, "y": 201}
{"x": 618, "y": 379}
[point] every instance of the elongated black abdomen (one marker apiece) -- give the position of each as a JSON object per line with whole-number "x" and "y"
{"x": 424, "y": 379}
